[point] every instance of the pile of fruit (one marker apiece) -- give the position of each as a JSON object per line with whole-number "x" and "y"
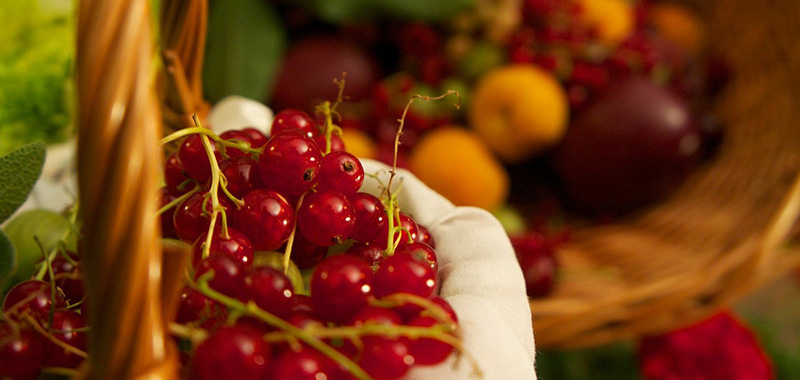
{"x": 576, "y": 111}
{"x": 295, "y": 273}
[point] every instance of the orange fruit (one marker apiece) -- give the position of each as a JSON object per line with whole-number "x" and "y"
{"x": 519, "y": 111}
{"x": 358, "y": 143}
{"x": 456, "y": 163}
{"x": 613, "y": 19}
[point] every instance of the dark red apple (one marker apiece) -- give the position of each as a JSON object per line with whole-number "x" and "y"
{"x": 313, "y": 62}
{"x": 632, "y": 145}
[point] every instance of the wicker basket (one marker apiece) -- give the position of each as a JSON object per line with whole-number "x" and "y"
{"x": 727, "y": 231}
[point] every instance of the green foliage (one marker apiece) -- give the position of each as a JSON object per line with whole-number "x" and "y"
{"x": 35, "y": 65}
{"x": 246, "y": 42}
{"x": 19, "y": 171}
{"x": 611, "y": 362}
{"x": 8, "y": 259}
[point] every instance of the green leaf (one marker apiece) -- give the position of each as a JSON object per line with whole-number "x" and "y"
{"x": 50, "y": 227}
{"x": 8, "y": 259}
{"x": 19, "y": 171}
{"x": 245, "y": 47}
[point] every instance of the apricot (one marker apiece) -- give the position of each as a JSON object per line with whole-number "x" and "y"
{"x": 519, "y": 111}
{"x": 456, "y": 163}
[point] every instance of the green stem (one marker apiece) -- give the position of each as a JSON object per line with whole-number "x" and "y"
{"x": 251, "y": 309}
{"x": 287, "y": 254}
{"x": 72, "y": 219}
{"x": 243, "y": 146}
{"x": 177, "y": 200}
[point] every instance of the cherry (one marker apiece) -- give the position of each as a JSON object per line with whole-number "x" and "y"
{"x": 196, "y": 307}
{"x": 422, "y": 251}
{"x": 305, "y": 364}
{"x": 194, "y": 158}
{"x": 404, "y": 273}
{"x": 370, "y": 216}
{"x": 293, "y": 119}
{"x": 65, "y": 324}
{"x": 237, "y": 136}
{"x": 228, "y": 274}
{"x": 236, "y": 246}
{"x": 21, "y": 352}
{"x": 289, "y": 162}
{"x": 257, "y": 138}
{"x": 242, "y": 175}
{"x": 427, "y": 351}
{"x": 385, "y": 359}
{"x": 326, "y": 218}
{"x": 340, "y": 286}
{"x": 340, "y": 171}
{"x": 191, "y": 221}
{"x": 266, "y": 218}
{"x": 31, "y": 296}
{"x": 235, "y": 352}
{"x": 174, "y": 175}
{"x": 306, "y": 254}
{"x": 270, "y": 289}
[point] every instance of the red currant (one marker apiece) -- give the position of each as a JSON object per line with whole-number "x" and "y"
{"x": 294, "y": 119}
{"x": 270, "y": 289}
{"x": 167, "y": 227}
{"x": 242, "y": 175}
{"x": 67, "y": 276}
{"x": 306, "y": 254}
{"x": 235, "y": 136}
{"x": 305, "y": 364}
{"x": 236, "y": 246}
{"x": 30, "y": 296}
{"x": 370, "y": 217}
{"x": 266, "y": 218}
{"x": 424, "y": 236}
{"x": 235, "y": 352}
{"x": 196, "y": 307}
{"x": 340, "y": 171}
{"x": 65, "y": 324}
{"x": 337, "y": 144}
{"x": 422, "y": 251}
{"x": 427, "y": 351}
{"x": 371, "y": 253}
{"x": 256, "y": 137}
{"x": 21, "y": 353}
{"x": 340, "y": 286}
{"x": 326, "y": 218}
{"x": 228, "y": 274}
{"x": 194, "y": 158}
{"x": 385, "y": 359}
{"x": 174, "y": 175}
{"x": 289, "y": 163}
{"x": 404, "y": 273}
{"x": 191, "y": 220}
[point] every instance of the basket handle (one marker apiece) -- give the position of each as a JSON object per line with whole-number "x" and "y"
{"x": 119, "y": 125}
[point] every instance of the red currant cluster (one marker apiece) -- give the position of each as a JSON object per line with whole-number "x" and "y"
{"x": 372, "y": 312}
{"x": 553, "y": 37}
{"x": 43, "y": 323}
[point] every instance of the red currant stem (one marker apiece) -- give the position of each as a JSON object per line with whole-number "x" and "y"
{"x": 243, "y": 146}
{"x": 402, "y": 121}
{"x": 67, "y": 347}
{"x": 177, "y": 200}
{"x": 49, "y": 267}
{"x": 238, "y": 202}
{"x": 252, "y": 309}
{"x": 287, "y": 254}
{"x": 390, "y": 213}
{"x": 13, "y": 309}
{"x": 399, "y": 299}
{"x": 216, "y": 207}
{"x": 194, "y": 334}
{"x": 72, "y": 217}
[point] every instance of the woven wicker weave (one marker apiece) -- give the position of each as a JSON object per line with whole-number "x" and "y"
{"x": 726, "y": 232}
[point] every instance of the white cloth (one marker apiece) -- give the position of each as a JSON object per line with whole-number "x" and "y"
{"x": 479, "y": 274}
{"x": 480, "y": 278}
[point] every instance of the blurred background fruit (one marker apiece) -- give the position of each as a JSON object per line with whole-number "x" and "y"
{"x": 454, "y": 162}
